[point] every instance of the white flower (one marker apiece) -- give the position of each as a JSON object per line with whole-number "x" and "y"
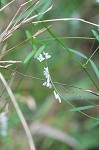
{"x": 3, "y": 123}
{"x": 47, "y": 76}
{"x": 47, "y": 84}
{"x": 46, "y": 72}
{"x": 57, "y": 96}
{"x": 47, "y": 56}
{"x": 44, "y": 56}
{"x": 40, "y": 58}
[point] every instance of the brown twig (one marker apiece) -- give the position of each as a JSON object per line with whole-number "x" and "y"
{"x": 67, "y": 19}
{"x": 7, "y": 5}
{"x": 33, "y": 36}
{"x": 22, "y": 119}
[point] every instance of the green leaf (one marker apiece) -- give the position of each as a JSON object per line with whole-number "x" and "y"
{"x": 47, "y": 4}
{"x": 29, "y": 56}
{"x": 28, "y": 34}
{"x": 39, "y": 51}
{"x": 92, "y": 63}
{"x": 94, "y": 68}
{"x": 29, "y": 11}
{"x": 78, "y": 53}
{"x": 95, "y": 34}
{"x": 82, "y": 108}
{"x": 94, "y": 125}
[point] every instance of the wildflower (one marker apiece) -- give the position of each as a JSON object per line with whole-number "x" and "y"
{"x": 3, "y": 123}
{"x": 57, "y": 96}
{"x": 43, "y": 56}
{"x": 47, "y": 56}
{"x": 47, "y": 76}
{"x": 46, "y": 72}
{"x": 48, "y": 84}
{"x": 40, "y": 58}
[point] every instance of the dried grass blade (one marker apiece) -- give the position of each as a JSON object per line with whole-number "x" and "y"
{"x": 22, "y": 119}
{"x": 67, "y": 19}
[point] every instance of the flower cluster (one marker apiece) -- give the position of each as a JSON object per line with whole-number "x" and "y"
{"x": 46, "y": 73}
{"x": 43, "y": 56}
{"x": 4, "y": 122}
{"x": 57, "y": 96}
{"x": 47, "y": 76}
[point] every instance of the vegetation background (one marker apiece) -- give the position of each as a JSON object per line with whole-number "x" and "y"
{"x": 52, "y": 125}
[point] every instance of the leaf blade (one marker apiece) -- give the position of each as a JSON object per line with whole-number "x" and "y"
{"x": 78, "y": 53}
{"x": 94, "y": 125}
{"x": 39, "y": 51}
{"x": 82, "y": 108}
{"x": 95, "y": 68}
{"x": 29, "y": 56}
{"x": 95, "y": 34}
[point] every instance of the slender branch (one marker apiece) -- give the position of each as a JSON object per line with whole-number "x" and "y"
{"x": 68, "y": 37}
{"x": 62, "y": 84}
{"x": 66, "y": 19}
{"x": 10, "y": 62}
{"x": 33, "y": 36}
{"x": 6, "y": 5}
{"x": 22, "y": 119}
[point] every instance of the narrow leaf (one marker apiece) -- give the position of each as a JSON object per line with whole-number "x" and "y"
{"x": 44, "y": 8}
{"x": 28, "y": 12}
{"x": 29, "y": 56}
{"x": 22, "y": 16}
{"x": 95, "y": 34}
{"x": 82, "y": 108}
{"x": 95, "y": 68}
{"x": 78, "y": 53}
{"x": 28, "y": 36}
{"x": 39, "y": 51}
{"x": 94, "y": 125}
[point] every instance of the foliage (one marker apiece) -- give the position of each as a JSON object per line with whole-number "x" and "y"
{"x": 49, "y": 69}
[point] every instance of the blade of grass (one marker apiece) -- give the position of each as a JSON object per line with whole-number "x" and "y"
{"x": 82, "y": 108}
{"x": 95, "y": 34}
{"x": 29, "y": 56}
{"x": 27, "y": 12}
{"x": 95, "y": 68}
{"x": 77, "y": 53}
{"x": 39, "y": 51}
{"x": 43, "y": 9}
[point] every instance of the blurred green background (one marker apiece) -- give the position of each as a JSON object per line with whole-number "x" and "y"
{"x": 52, "y": 124}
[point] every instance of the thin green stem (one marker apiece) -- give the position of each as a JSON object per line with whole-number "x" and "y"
{"x": 94, "y": 118}
{"x": 92, "y": 55}
{"x": 91, "y": 78}
{"x": 64, "y": 46}
{"x": 63, "y": 38}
